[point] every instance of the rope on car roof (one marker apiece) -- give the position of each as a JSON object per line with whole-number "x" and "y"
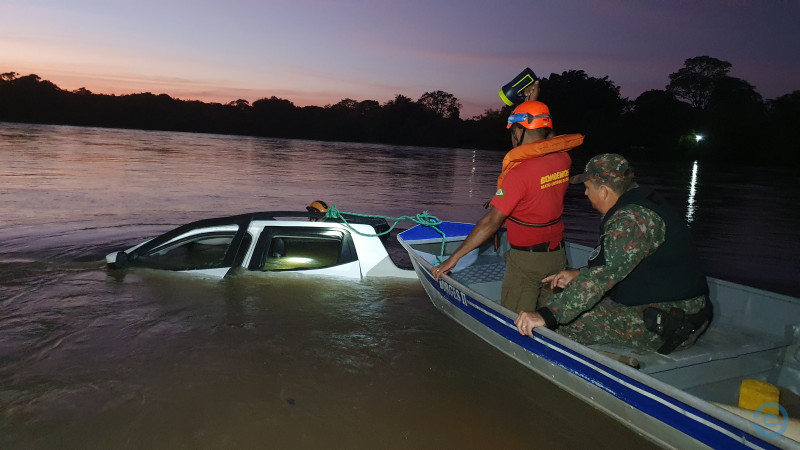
{"x": 424, "y": 218}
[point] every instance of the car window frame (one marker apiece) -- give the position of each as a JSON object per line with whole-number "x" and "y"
{"x": 347, "y": 252}
{"x": 232, "y": 255}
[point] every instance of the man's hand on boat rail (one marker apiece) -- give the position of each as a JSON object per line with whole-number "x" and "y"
{"x": 561, "y": 279}
{"x": 526, "y": 321}
{"x": 444, "y": 267}
{"x": 484, "y": 229}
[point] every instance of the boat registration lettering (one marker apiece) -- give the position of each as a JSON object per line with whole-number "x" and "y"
{"x": 453, "y": 292}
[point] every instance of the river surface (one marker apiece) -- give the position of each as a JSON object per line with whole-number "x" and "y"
{"x": 155, "y": 360}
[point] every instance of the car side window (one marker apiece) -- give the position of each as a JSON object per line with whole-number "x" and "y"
{"x": 298, "y": 251}
{"x": 201, "y": 251}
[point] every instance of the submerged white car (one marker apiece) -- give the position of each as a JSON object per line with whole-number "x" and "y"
{"x": 276, "y": 241}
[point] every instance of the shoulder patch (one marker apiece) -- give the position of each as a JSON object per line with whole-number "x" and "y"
{"x": 500, "y": 193}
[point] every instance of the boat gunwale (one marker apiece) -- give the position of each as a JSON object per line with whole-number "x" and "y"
{"x": 732, "y": 425}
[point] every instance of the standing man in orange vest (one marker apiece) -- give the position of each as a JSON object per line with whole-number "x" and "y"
{"x": 530, "y": 200}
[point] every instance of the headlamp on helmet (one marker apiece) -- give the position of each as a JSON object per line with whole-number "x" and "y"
{"x": 531, "y": 115}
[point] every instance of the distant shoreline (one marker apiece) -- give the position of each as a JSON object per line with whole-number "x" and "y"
{"x": 655, "y": 126}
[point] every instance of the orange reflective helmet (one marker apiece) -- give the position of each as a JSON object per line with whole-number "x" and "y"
{"x": 317, "y": 206}
{"x": 531, "y": 115}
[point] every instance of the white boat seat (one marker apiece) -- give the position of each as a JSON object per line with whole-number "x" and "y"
{"x": 721, "y": 341}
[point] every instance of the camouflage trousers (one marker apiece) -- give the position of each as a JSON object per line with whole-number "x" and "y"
{"x": 522, "y": 283}
{"x": 609, "y": 322}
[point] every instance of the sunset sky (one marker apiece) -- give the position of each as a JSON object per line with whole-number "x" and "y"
{"x": 317, "y": 52}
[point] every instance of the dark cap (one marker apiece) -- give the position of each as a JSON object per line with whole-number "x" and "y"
{"x": 605, "y": 168}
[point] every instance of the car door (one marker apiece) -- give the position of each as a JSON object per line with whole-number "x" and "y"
{"x": 309, "y": 250}
{"x": 207, "y": 247}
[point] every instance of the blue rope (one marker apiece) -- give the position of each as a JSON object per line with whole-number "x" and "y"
{"x": 424, "y": 218}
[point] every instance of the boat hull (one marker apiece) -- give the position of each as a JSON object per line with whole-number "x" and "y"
{"x": 662, "y": 413}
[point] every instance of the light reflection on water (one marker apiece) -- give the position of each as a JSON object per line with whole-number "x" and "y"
{"x": 158, "y": 360}
{"x": 690, "y": 202}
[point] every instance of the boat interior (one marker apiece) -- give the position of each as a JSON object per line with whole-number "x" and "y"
{"x": 754, "y": 333}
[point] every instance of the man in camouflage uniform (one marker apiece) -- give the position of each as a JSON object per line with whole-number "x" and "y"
{"x": 645, "y": 258}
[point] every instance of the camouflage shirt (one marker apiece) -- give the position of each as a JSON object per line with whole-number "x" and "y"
{"x": 631, "y": 234}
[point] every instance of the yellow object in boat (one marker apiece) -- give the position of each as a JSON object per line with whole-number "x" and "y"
{"x": 754, "y": 393}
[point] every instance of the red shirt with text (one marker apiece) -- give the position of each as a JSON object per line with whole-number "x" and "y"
{"x": 534, "y": 192}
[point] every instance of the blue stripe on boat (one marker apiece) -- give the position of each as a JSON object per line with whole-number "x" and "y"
{"x": 695, "y": 423}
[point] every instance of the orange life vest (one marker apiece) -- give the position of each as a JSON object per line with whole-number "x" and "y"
{"x": 539, "y": 148}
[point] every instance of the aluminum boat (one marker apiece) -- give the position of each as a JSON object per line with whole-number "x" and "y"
{"x": 686, "y": 399}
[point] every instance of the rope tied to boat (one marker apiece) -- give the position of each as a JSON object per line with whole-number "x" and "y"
{"x": 424, "y": 218}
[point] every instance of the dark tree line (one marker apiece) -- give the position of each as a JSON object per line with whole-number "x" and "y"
{"x": 736, "y": 122}
{"x": 701, "y": 98}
